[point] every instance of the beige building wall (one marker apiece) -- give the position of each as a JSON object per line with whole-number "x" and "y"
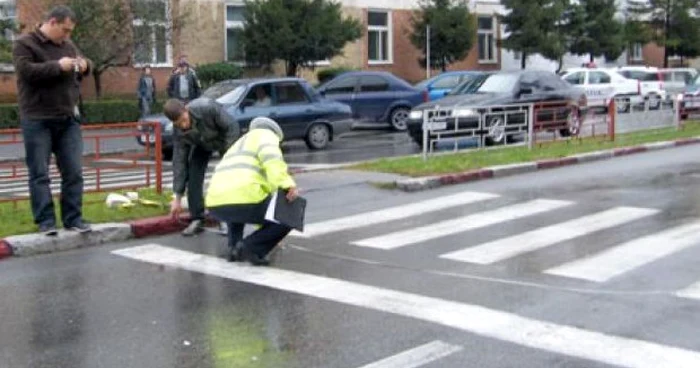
{"x": 203, "y": 35}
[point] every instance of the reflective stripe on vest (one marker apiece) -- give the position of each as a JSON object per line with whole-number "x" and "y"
{"x": 242, "y": 153}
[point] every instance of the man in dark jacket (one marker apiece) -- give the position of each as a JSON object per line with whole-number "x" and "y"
{"x": 49, "y": 69}
{"x": 184, "y": 84}
{"x": 201, "y": 128}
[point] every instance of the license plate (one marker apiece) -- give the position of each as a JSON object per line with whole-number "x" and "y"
{"x": 437, "y": 125}
{"x": 148, "y": 137}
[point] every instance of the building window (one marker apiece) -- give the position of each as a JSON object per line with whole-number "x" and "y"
{"x": 636, "y": 52}
{"x": 379, "y": 50}
{"x": 151, "y": 28}
{"x": 235, "y": 21}
{"x": 487, "y": 39}
{"x": 8, "y": 14}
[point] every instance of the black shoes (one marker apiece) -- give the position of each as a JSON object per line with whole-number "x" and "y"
{"x": 80, "y": 227}
{"x": 48, "y": 230}
{"x": 195, "y": 227}
{"x": 241, "y": 253}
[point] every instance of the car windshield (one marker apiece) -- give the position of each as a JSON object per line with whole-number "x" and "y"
{"x": 696, "y": 82}
{"x": 469, "y": 85}
{"x": 225, "y": 93}
{"x": 498, "y": 83}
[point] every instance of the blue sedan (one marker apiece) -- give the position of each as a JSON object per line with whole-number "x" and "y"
{"x": 440, "y": 85}
{"x": 300, "y": 111}
{"x": 375, "y": 96}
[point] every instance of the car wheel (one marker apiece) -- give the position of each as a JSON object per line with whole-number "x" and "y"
{"x": 399, "y": 118}
{"x": 496, "y": 130}
{"x": 573, "y": 123}
{"x": 318, "y": 136}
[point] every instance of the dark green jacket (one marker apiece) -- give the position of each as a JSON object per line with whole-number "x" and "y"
{"x": 212, "y": 129}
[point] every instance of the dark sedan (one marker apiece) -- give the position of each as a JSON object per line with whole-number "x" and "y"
{"x": 375, "y": 96}
{"x": 292, "y": 102}
{"x": 501, "y": 90}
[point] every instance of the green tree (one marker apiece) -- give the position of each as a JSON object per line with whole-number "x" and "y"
{"x": 452, "y": 31}
{"x": 534, "y": 26}
{"x": 106, "y": 32}
{"x": 596, "y": 31}
{"x": 298, "y": 32}
{"x": 666, "y": 21}
{"x": 6, "y": 27}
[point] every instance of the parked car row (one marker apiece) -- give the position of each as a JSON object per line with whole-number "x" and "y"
{"x": 466, "y": 103}
{"x": 319, "y": 115}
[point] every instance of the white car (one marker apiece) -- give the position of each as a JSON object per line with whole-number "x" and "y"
{"x": 651, "y": 84}
{"x": 602, "y": 85}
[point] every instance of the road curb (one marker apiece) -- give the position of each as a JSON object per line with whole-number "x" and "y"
{"x": 33, "y": 244}
{"x": 5, "y": 249}
{"x": 161, "y": 225}
{"x": 431, "y": 182}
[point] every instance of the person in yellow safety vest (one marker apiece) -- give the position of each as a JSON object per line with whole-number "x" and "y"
{"x": 241, "y": 188}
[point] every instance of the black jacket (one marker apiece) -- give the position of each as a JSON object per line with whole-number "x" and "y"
{"x": 193, "y": 84}
{"x": 212, "y": 129}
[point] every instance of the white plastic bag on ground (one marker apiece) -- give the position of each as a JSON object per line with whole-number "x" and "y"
{"x": 114, "y": 200}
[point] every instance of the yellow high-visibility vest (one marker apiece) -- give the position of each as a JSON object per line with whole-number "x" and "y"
{"x": 251, "y": 169}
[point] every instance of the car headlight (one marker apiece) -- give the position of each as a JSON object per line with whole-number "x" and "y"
{"x": 415, "y": 115}
{"x": 463, "y": 113}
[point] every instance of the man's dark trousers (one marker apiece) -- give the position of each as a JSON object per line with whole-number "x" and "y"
{"x": 63, "y": 138}
{"x": 196, "y": 170}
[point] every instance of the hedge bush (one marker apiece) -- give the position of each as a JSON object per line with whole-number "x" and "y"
{"x": 96, "y": 112}
{"x": 209, "y": 74}
{"x": 324, "y": 75}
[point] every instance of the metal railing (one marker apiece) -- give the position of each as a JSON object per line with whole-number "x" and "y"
{"x": 106, "y": 166}
{"x": 458, "y": 127}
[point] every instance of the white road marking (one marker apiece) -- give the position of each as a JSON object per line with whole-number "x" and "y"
{"x": 417, "y": 356}
{"x": 509, "y": 327}
{"x": 461, "y": 224}
{"x": 505, "y": 248}
{"x": 630, "y": 255}
{"x": 391, "y": 214}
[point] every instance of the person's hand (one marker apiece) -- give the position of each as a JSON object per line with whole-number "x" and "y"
{"x": 175, "y": 207}
{"x": 67, "y": 64}
{"x": 292, "y": 193}
{"x": 82, "y": 64}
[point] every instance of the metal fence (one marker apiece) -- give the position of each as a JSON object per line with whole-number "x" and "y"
{"x": 535, "y": 124}
{"x": 112, "y": 160}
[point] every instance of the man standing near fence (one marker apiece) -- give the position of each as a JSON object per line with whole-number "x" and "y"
{"x": 201, "y": 128}
{"x": 49, "y": 69}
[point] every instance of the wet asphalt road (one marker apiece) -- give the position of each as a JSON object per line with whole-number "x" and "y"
{"x": 344, "y": 305}
{"x": 366, "y": 142}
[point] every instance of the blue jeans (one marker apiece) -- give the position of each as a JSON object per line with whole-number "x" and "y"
{"x": 63, "y": 138}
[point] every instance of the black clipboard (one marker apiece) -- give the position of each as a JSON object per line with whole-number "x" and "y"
{"x": 289, "y": 213}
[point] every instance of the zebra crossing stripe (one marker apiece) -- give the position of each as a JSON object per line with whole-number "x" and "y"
{"x": 461, "y": 224}
{"x": 622, "y": 258}
{"x": 391, "y": 214}
{"x": 504, "y": 326}
{"x": 691, "y": 292}
{"x": 417, "y": 356}
{"x": 509, "y": 247}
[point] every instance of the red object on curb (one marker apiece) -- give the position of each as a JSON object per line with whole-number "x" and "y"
{"x": 157, "y": 226}
{"x": 5, "y": 249}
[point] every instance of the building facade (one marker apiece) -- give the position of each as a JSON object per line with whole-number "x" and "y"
{"x": 210, "y": 34}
